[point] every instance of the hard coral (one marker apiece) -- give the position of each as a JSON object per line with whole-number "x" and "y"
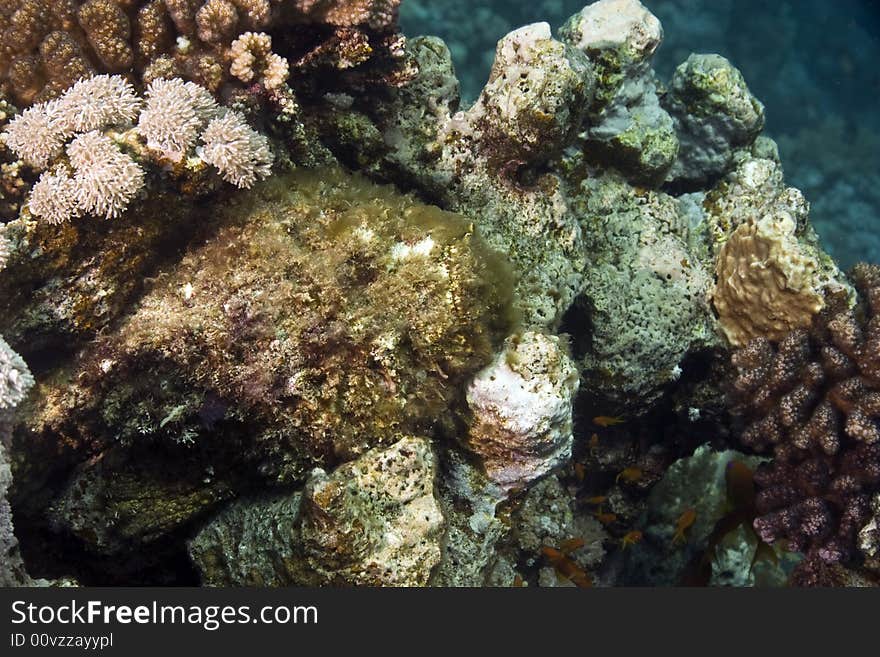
{"x": 106, "y": 179}
{"x": 48, "y": 45}
{"x": 767, "y": 283}
{"x": 814, "y": 400}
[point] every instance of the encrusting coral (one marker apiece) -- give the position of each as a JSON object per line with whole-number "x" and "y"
{"x": 766, "y": 284}
{"x": 814, "y": 400}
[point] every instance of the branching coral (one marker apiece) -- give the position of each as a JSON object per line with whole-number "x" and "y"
{"x": 48, "y": 44}
{"x": 240, "y": 153}
{"x": 254, "y": 61}
{"x": 814, "y": 399}
{"x": 175, "y": 113}
{"x": 105, "y": 179}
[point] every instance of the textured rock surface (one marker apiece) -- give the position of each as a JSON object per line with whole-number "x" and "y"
{"x": 12, "y": 571}
{"x": 547, "y": 518}
{"x": 534, "y": 100}
{"x": 520, "y": 410}
{"x": 697, "y": 483}
{"x": 714, "y": 114}
{"x": 645, "y": 301}
{"x": 627, "y": 127}
{"x": 374, "y": 521}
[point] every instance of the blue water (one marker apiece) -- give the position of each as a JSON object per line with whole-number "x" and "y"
{"x": 815, "y": 65}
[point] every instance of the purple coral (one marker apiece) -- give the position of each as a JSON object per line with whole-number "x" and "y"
{"x": 814, "y": 400}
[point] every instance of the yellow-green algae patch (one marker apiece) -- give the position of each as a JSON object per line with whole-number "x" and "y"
{"x": 324, "y": 316}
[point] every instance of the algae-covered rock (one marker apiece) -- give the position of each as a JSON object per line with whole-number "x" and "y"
{"x": 374, "y": 521}
{"x": 714, "y": 113}
{"x": 627, "y": 128}
{"x": 12, "y": 571}
{"x": 473, "y": 529}
{"x": 64, "y": 284}
{"x": 698, "y": 484}
{"x": 547, "y": 518}
{"x": 324, "y": 315}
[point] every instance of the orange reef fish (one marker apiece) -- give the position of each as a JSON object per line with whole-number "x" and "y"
{"x": 605, "y": 518}
{"x": 596, "y": 501}
{"x": 571, "y": 545}
{"x": 683, "y": 524}
{"x": 580, "y": 471}
{"x": 630, "y": 475}
{"x": 566, "y": 567}
{"x": 607, "y": 421}
{"x": 631, "y": 538}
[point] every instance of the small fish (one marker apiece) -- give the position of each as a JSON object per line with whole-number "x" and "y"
{"x": 598, "y": 500}
{"x": 607, "y": 421}
{"x": 740, "y": 484}
{"x": 685, "y": 522}
{"x": 518, "y": 581}
{"x": 605, "y": 518}
{"x": 572, "y": 544}
{"x": 631, "y": 538}
{"x": 566, "y": 567}
{"x": 630, "y": 475}
{"x": 580, "y": 471}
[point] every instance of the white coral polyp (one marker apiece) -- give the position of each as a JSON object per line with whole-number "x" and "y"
{"x": 53, "y": 197}
{"x": 106, "y": 179}
{"x": 239, "y": 153}
{"x": 98, "y": 102}
{"x": 37, "y": 135}
{"x": 175, "y": 113}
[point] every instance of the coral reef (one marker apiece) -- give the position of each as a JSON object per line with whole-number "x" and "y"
{"x": 12, "y": 569}
{"x": 714, "y": 114}
{"x": 413, "y": 341}
{"x": 771, "y": 274}
{"x": 627, "y": 127}
{"x": 697, "y": 484}
{"x": 104, "y": 179}
{"x": 15, "y": 382}
{"x": 812, "y": 399}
